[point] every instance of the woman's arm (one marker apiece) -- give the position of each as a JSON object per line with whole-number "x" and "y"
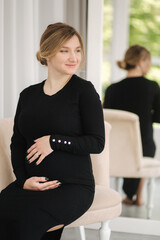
{"x": 18, "y": 149}
{"x": 92, "y": 141}
{"x": 156, "y": 105}
{"x": 107, "y": 98}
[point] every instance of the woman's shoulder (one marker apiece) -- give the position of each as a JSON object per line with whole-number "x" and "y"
{"x": 81, "y": 81}
{"x": 151, "y": 83}
{"x": 115, "y": 85}
{"x": 82, "y": 84}
{"x": 83, "y": 87}
{"x": 31, "y": 89}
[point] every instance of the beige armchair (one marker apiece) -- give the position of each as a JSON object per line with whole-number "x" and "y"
{"x": 126, "y": 159}
{"x": 107, "y": 202}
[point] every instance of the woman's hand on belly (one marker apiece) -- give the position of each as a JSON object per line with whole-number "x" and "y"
{"x": 40, "y": 149}
{"x": 40, "y": 184}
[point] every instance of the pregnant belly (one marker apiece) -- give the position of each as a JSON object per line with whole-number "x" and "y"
{"x": 62, "y": 165}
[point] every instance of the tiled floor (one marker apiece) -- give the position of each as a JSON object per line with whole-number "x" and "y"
{"x": 73, "y": 234}
{"x": 140, "y": 212}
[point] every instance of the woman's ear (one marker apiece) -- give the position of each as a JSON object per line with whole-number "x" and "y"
{"x": 144, "y": 65}
{"x": 140, "y": 63}
{"x": 47, "y": 60}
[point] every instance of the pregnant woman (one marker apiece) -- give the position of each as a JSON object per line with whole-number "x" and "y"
{"x": 58, "y": 123}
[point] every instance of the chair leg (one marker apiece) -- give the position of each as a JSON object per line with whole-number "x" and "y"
{"x": 105, "y": 231}
{"x": 150, "y": 193}
{"x": 82, "y": 233}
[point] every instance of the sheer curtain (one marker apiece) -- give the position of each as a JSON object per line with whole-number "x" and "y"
{"x": 21, "y": 25}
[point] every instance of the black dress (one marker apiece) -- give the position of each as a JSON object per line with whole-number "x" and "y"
{"x": 142, "y": 97}
{"x": 74, "y": 119}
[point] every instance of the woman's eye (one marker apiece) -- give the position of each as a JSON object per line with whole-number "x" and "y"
{"x": 63, "y": 51}
{"x": 78, "y": 50}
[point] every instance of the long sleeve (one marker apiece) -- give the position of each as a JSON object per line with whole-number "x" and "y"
{"x": 156, "y": 105}
{"x": 92, "y": 140}
{"x": 18, "y": 150}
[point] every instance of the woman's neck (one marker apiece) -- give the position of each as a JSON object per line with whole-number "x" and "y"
{"x": 55, "y": 82}
{"x": 136, "y": 72}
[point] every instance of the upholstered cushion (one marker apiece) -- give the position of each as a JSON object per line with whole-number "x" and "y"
{"x": 150, "y": 168}
{"x": 148, "y": 162}
{"x": 106, "y": 206}
{"x": 104, "y": 198}
{"x": 6, "y": 171}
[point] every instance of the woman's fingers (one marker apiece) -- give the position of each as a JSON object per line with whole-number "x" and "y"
{"x": 50, "y": 185}
{"x": 41, "y": 179}
{"x": 40, "y": 159}
{"x": 40, "y": 149}
{"x": 45, "y": 184}
{"x": 40, "y": 184}
{"x": 31, "y": 148}
{"x": 33, "y": 157}
{"x": 33, "y": 153}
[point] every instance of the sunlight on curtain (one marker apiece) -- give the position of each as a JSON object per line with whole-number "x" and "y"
{"x": 21, "y": 24}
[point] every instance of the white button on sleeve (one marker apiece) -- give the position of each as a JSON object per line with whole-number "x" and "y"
{"x": 53, "y": 140}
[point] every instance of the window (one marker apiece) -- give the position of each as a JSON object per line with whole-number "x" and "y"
{"x": 125, "y": 24}
{"x": 144, "y": 25}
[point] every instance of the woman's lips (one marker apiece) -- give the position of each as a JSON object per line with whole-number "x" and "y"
{"x": 71, "y": 65}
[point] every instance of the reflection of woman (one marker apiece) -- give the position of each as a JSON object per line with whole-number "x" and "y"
{"x": 138, "y": 95}
{"x": 58, "y": 123}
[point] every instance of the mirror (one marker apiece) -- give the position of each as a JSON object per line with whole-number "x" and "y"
{"x": 123, "y": 27}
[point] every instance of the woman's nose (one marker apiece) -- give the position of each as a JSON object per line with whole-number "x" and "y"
{"x": 72, "y": 56}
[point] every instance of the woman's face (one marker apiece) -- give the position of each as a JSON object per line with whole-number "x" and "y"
{"x": 67, "y": 60}
{"x": 145, "y": 65}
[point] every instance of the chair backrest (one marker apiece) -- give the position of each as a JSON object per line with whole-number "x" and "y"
{"x": 100, "y": 162}
{"x": 6, "y": 171}
{"x": 125, "y": 142}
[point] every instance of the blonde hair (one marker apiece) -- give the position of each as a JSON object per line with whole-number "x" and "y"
{"x": 132, "y": 57}
{"x": 53, "y": 39}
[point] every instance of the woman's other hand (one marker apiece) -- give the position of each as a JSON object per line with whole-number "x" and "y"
{"x": 40, "y": 184}
{"x": 41, "y": 148}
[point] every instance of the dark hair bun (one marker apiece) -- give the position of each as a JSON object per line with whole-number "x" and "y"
{"x": 122, "y": 64}
{"x": 43, "y": 61}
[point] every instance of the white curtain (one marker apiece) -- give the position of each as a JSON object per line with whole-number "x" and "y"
{"x": 21, "y": 24}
